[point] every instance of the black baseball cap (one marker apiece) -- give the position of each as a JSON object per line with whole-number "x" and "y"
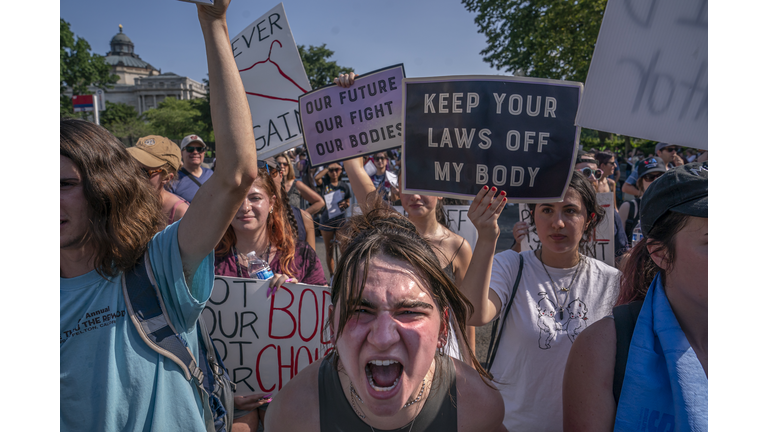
{"x": 682, "y": 189}
{"x": 649, "y": 165}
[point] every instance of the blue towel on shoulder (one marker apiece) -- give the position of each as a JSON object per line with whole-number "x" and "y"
{"x": 665, "y": 387}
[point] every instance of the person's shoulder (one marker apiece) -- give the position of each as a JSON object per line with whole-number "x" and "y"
{"x": 480, "y": 405}
{"x": 300, "y": 395}
{"x": 595, "y": 349}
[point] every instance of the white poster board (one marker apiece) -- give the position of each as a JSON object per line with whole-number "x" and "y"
{"x": 264, "y": 342}
{"x": 332, "y": 201}
{"x": 601, "y": 245}
{"x": 273, "y": 77}
{"x": 648, "y": 76}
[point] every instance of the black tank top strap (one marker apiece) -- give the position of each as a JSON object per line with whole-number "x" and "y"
{"x": 439, "y": 413}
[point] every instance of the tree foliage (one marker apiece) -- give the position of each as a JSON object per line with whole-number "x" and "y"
{"x": 124, "y": 122}
{"x": 79, "y": 68}
{"x": 539, "y": 38}
{"x": 175, "y": 119}
{"x": 320, "y": 70}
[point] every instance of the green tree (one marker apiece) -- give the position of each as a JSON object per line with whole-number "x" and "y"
{"x": 124, "y": 122}
{"x": 320, "y": 70}
{"x": 79, "y": 68}
{"x": 203, "y": 105}
{"x": 175, "y": 119}
{"x": 539, "y": 38}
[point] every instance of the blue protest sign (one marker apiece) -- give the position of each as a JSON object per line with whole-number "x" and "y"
{"x": 462, "y": 133}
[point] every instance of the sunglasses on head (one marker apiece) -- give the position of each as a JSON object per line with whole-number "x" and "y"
{"x": 587, "y": 171}
{"x": 263, "y": 164}
{"x": 194, "y": 149}
{"x": 151, "y": 171}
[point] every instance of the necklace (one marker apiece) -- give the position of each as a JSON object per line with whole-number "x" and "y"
{"x": 360, "y": 413}
{"x": 559, "y": 289}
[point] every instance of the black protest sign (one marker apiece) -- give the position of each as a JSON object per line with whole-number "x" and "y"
{"x": 343, "y": 123}
{"x": 517, "y": 134}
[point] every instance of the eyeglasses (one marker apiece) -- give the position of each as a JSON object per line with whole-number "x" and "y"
{"x": 191, "y": 149}
{"x": 151, "y": 172}
{"x": 587, "y": 171}
{"x": 283, "y": 164}
{"x": 380, "y": 158}
{"x": 334, "y": 169}
{"x": 671, "y": 149}
{"x": 651, "y": 177}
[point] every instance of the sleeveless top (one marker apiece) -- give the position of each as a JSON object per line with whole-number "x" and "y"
{"x": 173, "y": 209}
{"x": 294, "y": 197}
{"x": 448, "y": 270}
{"x": 439, "y": 413}
{"x": 302, "y": 230}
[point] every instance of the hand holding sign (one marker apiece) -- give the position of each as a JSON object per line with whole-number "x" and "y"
{"x": 484, "y": 213}
{"x": 212, "y": 12}
{"x": 333, "y": 203}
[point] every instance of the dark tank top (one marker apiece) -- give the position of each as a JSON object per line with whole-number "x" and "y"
{"x": 439, "y": 413}
{"x": 302, "y": 230}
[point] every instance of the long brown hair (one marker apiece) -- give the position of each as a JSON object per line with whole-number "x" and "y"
{"x": 638, "y": 269}
{"x": 384, "y": 232}
{"x": 278, "y": 230}
{"x": 123, "y": 209}
{"x": 291, "y": 174}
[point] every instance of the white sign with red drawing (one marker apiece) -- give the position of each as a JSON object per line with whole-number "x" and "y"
{"x": 600, "y": 246}
{"x": 274, "y": 78}
{"x": 266, "y": 341}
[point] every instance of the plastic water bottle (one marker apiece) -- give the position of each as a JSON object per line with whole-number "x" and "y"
{"x": 258, "y": 268}
{"x": 637, "y": 234}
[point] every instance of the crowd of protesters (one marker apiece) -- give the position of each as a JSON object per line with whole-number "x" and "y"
{"x": 406, "y": 291}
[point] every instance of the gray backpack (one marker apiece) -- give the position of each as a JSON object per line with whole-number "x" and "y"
{"x": 145, "y": 306}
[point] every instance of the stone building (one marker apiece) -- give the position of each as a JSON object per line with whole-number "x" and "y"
{"x": 140, "y": 84}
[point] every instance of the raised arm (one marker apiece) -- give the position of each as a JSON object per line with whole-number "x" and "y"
{"x": 359, "y": 180}
{"x": 484, "y": 214}
{"x": 218, "y": 199}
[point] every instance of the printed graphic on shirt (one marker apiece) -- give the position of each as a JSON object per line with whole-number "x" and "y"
{"x": 91, "y": 321}
{"x": 552, "y": 320}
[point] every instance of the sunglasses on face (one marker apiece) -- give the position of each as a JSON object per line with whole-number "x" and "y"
{"x": 378, "y": 159}
{"x": 334, "y": 169}
{"x": 589, "y": 171}
{"x": 191, "y": 149}
{"x": 283, "y": 164}
{"x": 671, "y": 149}
{"x": 652, "y": 177}
{"x": 150, "y": 172}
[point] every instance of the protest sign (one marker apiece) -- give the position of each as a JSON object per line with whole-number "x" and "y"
{"x": 332, "y": 201}
{"x": 600, "y": 246}
{"x": 648, "y": 76}
{"x": 265, "y": 341}
{"x": 273, "y": 77}
{"x": 342, "y": 123}
{"x": 462, "y": 133}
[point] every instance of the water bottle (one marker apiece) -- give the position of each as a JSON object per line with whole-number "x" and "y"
{"x": 637, "y": 234}
{"x": 258, "y": 268}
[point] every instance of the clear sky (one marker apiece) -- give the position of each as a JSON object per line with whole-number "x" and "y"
{"x": 430, "y": 37}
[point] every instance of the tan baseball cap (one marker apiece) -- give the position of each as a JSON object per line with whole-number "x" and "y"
{"x": 155, "y": 151}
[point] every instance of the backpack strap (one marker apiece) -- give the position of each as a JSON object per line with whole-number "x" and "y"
{"x": 625, "y": 318}
{"x": 191, "y": 177}
{"x": 145, "y": 306}
{"x": 496, "y": 339}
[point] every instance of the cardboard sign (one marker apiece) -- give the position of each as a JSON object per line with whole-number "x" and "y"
{"x": 273, "y": 77}
{"x": 264, "y": 342}
{"x": 462, "y": 133}
{"x": 342, "y": 123}
{"x": 600, "y": 246}
{"x": 648, "y": 76}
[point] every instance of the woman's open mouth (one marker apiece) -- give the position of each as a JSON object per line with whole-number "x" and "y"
{"x": 383, "y": 377}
